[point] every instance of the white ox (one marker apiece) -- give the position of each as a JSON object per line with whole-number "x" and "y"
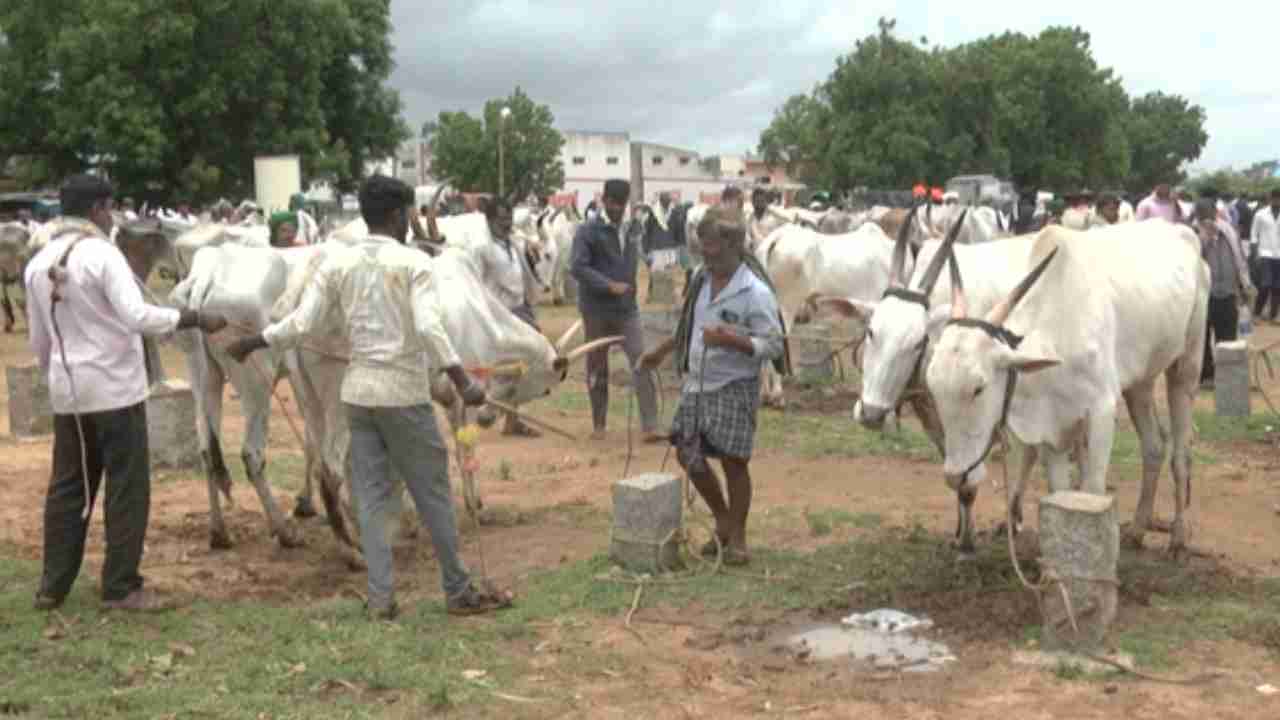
{"x": 555, "y": 230}
{"x": 804, "y": 264}
{"x": 15, "y": 252}
{"x": 903, "y": 329}
{"x": 1114, "y": 309}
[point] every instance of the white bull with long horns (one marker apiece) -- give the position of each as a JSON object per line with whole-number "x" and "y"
{"x": 1097, "y": 315}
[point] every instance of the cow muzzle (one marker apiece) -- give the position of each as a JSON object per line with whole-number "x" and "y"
{"x": 871, "y": 416}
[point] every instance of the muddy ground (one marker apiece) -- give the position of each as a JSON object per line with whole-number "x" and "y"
{"x": 551, "y": 498}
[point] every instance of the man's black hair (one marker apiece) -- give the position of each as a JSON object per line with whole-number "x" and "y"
{"x": 81, "y": 192}
{"x": 491, "y": 208}
{"x": 380, "y": 197}
{"x": 730, "y": 191}
{"x": 617, "y": 190}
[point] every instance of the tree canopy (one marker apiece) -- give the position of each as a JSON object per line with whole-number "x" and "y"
{"x": 465, "y": 148}
{"x": 181, "y": 97}
{"x": 1038, "y": 110}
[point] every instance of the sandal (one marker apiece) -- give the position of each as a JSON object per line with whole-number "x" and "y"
{"x": 475, "y": 601}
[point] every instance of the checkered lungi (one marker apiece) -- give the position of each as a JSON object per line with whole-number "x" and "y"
{"x": 726, "y": 418}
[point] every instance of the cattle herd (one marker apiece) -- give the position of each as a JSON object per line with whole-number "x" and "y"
{"x": 977, "y": 330}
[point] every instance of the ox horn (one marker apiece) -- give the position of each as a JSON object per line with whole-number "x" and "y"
{"x": 567, "y": 336}
{"x": 585, "y": 348}
{"x": 900, "y": 250}
{"x": 1000, "y": 312}
{"x": 959, "y": 306}
{"x": 935, "y": 266}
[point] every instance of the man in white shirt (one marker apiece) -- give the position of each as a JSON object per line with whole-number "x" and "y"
{"x": 1265, "y": 234}
{"x": 505, "y": 273}
{"x": 86, "y": 312}
{"x": 381, "y": 290}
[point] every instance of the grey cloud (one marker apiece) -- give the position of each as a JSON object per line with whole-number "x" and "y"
{"x": 708, "y": 75}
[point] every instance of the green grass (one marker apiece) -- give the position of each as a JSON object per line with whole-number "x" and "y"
{"x": 823, "y": 522}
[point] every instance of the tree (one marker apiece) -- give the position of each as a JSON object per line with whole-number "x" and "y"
{"x": 1165, "y": 132}
{"x": 178, "y": 98}
{"x": 465, "y": 149}
{"x": 793, "y": 138}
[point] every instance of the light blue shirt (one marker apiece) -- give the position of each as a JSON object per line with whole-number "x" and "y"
{"x": 748, "y": 307}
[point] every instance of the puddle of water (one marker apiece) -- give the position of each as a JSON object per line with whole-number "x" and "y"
{"x": 884, "y": 651}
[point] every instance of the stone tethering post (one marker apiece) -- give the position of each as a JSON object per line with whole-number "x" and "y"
{"x": 30, "y": 413}
{"x": 811, "y": 351}
{"x": 1231, "y": 379}
{"x": 1079, "y": 544}
{"x": 647, "y": 517}
{"x": 662, "y": 290}
{"x": 171, "y": 426}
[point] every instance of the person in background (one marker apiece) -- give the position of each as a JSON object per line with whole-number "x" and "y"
{"x": 1265, "y": 236}
{"x": 308, "y": 232}
{"x": 1077, "y": 215}
{"x": 605, "y": 254}
{"x": 283, "y": 227}
{"x": 1160, "y": 203}
{"x": 1108, "y": 211}
{"x": 1229, "y": 281}
{"x": 86, "y": 314}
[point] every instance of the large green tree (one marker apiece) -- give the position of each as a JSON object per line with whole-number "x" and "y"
{"x": 465, "y": 148}
{"x": 1036, "y": 109}
{"x": 1165, "y": 131}
{"x": 178, "y": 98}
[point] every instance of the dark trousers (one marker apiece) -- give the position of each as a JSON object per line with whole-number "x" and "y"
{"x": 115, "y": 443}
{"x": 598, "y": 369}
{"x": 1268, "y": 287}
{"x": 1224, "y": 323}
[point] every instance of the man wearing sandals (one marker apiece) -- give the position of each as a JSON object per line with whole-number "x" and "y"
{"x": 730, "y": 326}
{"x": 381, "y": 291}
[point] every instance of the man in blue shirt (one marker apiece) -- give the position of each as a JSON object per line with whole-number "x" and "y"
{"x": 731, "y": 326}
{"x": 603, "y": 261}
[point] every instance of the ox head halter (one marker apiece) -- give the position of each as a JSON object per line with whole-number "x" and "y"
{"x": 995, "y": 329}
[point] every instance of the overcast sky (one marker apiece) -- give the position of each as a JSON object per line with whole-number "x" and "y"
{"x": 708, "y": 75}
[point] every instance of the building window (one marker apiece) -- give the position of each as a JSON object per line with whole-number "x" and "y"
{"x": 657, "y": 159}
{"x": 684, "y": 160}
{"x": 579, "y": 160}
{"x": 611, "y": 160}
{"x": 408, "y": 164}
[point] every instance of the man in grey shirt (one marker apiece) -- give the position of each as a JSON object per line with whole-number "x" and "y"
{"x": 1229, "y": 281}
{"x": 603, "y": 261}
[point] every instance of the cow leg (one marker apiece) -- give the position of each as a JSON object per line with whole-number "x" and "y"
{"x": 1057, "y": 467}
{"x": 1100, "y": 429}
{"x": 771, "y": 387}
{"x": 1182, "y": 382}
{"x": 209, "y": 381}
{"x": 1140, "y": 402}
{"x": 8, "y": 307}
{"x": 1016, "y": 489}
{"x": 255, "y": 403}
{"x": 314, "y": 432}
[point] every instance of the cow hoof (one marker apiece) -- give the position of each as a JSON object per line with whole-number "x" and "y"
{"x": 965, "y": 557}
{"x": 219, "y": 541}
{"x": 304, "y": 509}
{"x": 289, "y": 539}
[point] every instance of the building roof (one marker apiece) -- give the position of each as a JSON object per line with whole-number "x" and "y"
{"x": 609, "y": 133}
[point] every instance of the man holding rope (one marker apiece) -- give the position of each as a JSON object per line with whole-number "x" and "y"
{"x": 382, "y": 292}
{"x": 729, "y": 327}
{"x": 87, "y": 313}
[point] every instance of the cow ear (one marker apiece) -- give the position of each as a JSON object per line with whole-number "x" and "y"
{"x": 1029, "y": 362}
{"x": 848, "y": 307}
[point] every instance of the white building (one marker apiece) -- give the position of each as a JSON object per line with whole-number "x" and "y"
{"x": 589, "y": 158}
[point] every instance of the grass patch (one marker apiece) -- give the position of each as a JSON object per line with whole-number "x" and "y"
{"x": 816, "y": 436}
{"x": 1255, "y": 428}
{"x": 823, "y": 522}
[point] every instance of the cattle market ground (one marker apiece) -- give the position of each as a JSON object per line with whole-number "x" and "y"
{"x": 844, "y": 520}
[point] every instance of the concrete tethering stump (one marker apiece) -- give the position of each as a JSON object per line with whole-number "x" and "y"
{"x": 1080, "y": 544}
{"x": 647, "y": 516}
{"x": 1231, "y": 379}
{"x": 657, "y": 326}
{"x": 662, "y": 288}
{"x": 171, "y": 426}
{"x": 811, "y": 351}
{"x": 30, "y": 411}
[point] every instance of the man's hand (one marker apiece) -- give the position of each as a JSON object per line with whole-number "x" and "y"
{"x": 473, "y": 395}
{"x": 619, "y": 288}
{"x": 239, "y": 349}
{"x": 719, "y": 336}
{"x": 212, "y": 322}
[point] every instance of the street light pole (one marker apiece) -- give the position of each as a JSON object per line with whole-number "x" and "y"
{"x": 502, "y": 175}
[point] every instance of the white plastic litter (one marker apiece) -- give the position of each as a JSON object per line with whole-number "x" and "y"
{"x": 887, "y": 621}
{"x": 1268, "y": 689}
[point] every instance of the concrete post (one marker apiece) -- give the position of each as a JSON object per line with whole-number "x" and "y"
{"x": 811, "y": 351}
{"x": 30, "y": 412}
{"x": 1231, "y": 379}
{"x": 1079, "y": 545}
{"x": 662, "y": 288}
{"x": 171, "y": 426}
{"x": 647, "y": 516}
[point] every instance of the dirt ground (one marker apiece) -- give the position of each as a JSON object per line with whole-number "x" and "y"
{"x": 1235, "y": 506}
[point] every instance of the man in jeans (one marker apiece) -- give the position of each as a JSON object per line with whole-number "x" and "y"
{"x": 94, "y": 362}
{"x": 603, "y": 261}
{"x": 382, "y": 292}
{"x": 1229, "y": 281}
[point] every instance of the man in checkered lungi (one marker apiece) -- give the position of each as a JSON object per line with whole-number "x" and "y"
{"x": 730, "y": 327}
